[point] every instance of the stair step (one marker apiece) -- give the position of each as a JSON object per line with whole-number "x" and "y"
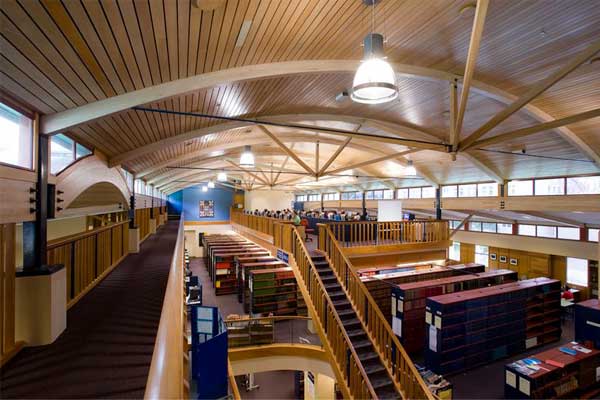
{"x": 387, "y": 392}
{"x": 368, "y": 356}
{"x": 380, "y": 380}
{"x": 328, "y": 279}
{"x": 332, "y": 286}
{"x": 354, "y": 333}
{"x": 342, "y": 304}
{"x": 349, "y": 324}
{"x": 347, "y": 313}
{"x": 362, "y": 345}
{"x": 373, "y": 368}
{"x": 339, "y": 295}
{"x": 324, "y": 271}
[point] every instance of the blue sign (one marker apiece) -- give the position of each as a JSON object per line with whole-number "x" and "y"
{"x": 283, "y": 256}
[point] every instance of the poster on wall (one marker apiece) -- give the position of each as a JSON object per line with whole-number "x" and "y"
{"x": 207, "y": 208}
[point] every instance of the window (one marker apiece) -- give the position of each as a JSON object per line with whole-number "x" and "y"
{"x": 403, "y": 193}
{"x": 379, "y": 194}
{"x": 16, "y": 145}
{"x": 467, "y": 190}
{"x": 428, "y": 192}
{"x": 314, "y": 197}
{"x": 593, "y": 235}
{"x": 300, "y": 197}
{"x": 487, "y": 189}
{"x": 546, "y": 231}
{"x": 454, "y": 251}
{"x": 482, "y": 255}
{"x": 475, "y": 226}
{"x": 505, "y": 228}
{"x": 577, "y": 271}
{"x": 64, "y": 151}
{"x": 527, "y": 230}
{"x": 414, "y": 193}
{"x": 568, "y": 233}
{"x": 520, "y": 188}
{"x": 549, "y": 187}
{"x": 351, "y": 196}
{"x": 140, "y": 187}
{"x": 488, "y": 227}
{"x": 128, "y": 178}
{"x": 583, "y": 185}
{"x": 449, "y": 191}
{"x": 388, "y": 194}
{"x": 331, "y": 196}
{"x": 455, "y": 224}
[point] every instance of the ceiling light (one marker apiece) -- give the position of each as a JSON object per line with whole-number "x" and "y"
{"x": 241, "y": 39}
{"x": 222, "y": 177}
{"x": 410, "y": 169}
{"x": 247, "y": 158}
{"x": 211, "y": 185}
{"x": 204, "y": 189}
{"x": 375, "y": 79}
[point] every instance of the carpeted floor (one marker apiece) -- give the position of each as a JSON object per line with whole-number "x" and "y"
{"x": 106, "y": 350}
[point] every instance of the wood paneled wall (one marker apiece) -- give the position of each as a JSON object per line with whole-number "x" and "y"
{"x": 8, "y": 346}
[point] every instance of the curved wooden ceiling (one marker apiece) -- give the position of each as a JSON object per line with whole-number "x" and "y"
{"x": 58, "y": 56}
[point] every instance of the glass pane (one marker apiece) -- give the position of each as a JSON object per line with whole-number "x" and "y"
{"x": 81, "y": 151}
{"x": 577, "y": 271}
{"x": 475, "y": 226}
{"x": 16, "y": 138}
{"x": 403, "y": 193}
{"x": 549, "y": 187}
{"x": 454, "y": 251}
{"x": 568, "y": 233}
{"x": 482, "y": 259}
{"x": 378, "y": 194}
{"x": 505, "y": 228}
{"x": 593, "y": 235}
{"x": 479, "y": 249}
{"x": 388, "y": 194}
{"x": 488, "y": 227}
{"x": 467, "y": 190}
{"x": 414, "y": 193}
{"x": 583, "y": 185}
{"x": 428, "y": 192}
{"x": 487, "y": 189}
{"x": 61, "y": 153}
{"x": 546, "y": 231}
{"x": 520, "y": 188}
{"x": 527, "y": 230}
{"x": 449, "y": 191}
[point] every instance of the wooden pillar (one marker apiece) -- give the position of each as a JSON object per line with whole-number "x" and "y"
{"x": 438, "y": 203}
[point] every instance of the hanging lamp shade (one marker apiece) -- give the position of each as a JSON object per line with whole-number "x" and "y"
{"x": 410, "y": 169}
{"x": 211, "y": 185}
{"x": 375, "y": 79}
{"x": 247, "y": 158}
{"x": 204, "y": 188}
{"x": 222, "y": 177}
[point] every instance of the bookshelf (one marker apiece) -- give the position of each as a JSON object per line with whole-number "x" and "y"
{"x": 475, "y": 327}
{"x": 587, "y": 322}
{"x": 408, "y": 301}
{"x": 593, "y": 279}
{"x": 554, "y": 374}
{"x": 245, "y": 332}
{"x": 273, "y": 291}
{"x": 380, "y": 284}
{"x": 243, "y": 277}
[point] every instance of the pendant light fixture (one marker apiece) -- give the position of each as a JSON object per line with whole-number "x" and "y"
{"x": 222, "y": 177}
{"x": 211, "y": 185}
{"x": 204, "y": 188}
{"x": 410, "y": 170}
{"x": 375, "y": 79}
{"x": 247, "y": 158}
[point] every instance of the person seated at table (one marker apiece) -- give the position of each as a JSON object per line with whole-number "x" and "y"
{"x": 296, "y": 219}
{"x": 567, "y": 294}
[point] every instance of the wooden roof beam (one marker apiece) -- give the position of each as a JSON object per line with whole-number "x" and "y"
{"x": 287, "y": 150}
{"x": 483, "y": 166}
{"x": 533, "y": 92}
{"x": 370, "y": 162}
{"x": 462, "y": 223}
{"x": 549, "y": 217}
{"x": 521, "y": 133}
{"x": 333, "y": 157}
{"x": 258, "y": 178}
{"x": 476, "y": 34}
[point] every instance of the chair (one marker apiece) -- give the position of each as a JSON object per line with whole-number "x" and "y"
{"x": 307, "y": 230}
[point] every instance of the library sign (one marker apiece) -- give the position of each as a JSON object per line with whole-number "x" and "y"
{"x": 283, "y": 256}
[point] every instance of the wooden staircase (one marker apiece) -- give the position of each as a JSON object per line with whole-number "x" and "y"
{"x": 369, "y": 358}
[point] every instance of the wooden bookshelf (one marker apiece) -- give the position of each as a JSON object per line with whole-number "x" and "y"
{"x": 380, "y": 284}
{"x": 222, "y": 268}
{"x": 408, "y": 301}
{"x": 593, "y": 279}
{"x": 476, "y": 327}
{"x": 587, "y": 322}
{"x": 243, "y": 277}
{"x": 553, "y": 374}
{"x": 273, "y": 291}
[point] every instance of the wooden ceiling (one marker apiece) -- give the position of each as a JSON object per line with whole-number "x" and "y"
{"x": 59, "y": 56}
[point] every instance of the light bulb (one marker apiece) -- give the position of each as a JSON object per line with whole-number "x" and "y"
{"x": 374, "y": 82}
{"x": 204, "y": 189}
{"x": 247, "y": 158}
{"x": 410, "y": 169}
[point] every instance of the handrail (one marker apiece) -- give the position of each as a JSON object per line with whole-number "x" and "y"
{"x": 406, "y": 377}
{"x": 52, "y": 244}
{"x": 166, "y": 379}
{"x": 355, "y": 377}
{"x": 235, "y": 391}
{"x": 256, "y": 222}
{"x": 243, "y": 332}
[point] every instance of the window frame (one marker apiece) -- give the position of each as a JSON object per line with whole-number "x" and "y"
{"x": 33, "y": 137}
{"x": 74, "y": 153}
{"x": 587, "y": 284}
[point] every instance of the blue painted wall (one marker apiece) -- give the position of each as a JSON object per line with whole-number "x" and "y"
{"x": 188, "y": 199}
{"x": 175, "y": 203}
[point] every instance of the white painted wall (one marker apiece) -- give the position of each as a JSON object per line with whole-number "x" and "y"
{"x": 568, "y": 248}
{"x": 191, "y": 236}
{"x": 269, "y": 199}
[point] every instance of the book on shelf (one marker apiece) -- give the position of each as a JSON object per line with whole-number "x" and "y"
{"x": 273, "y": 292}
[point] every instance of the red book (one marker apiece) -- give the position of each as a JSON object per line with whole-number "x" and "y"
{"x": 555, "y": 363}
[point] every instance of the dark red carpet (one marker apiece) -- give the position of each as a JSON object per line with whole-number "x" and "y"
{"x": 107, "y": 347}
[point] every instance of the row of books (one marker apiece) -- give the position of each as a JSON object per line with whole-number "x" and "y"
{"x": 475, "y": 327}
{"x": 408, "y": 301}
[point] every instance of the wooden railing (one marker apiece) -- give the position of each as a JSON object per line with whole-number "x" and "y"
{"x": 234, "y": 391}
{"x": 261, "y": 224}
{"x": 89, "y": 256}
{"x": 369, "y": 233}
{"x": 142, "y": 221}
{"x": 167, "y": 378}
{"x": 8, "y": 346}
{"x": 406, "y": 377}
